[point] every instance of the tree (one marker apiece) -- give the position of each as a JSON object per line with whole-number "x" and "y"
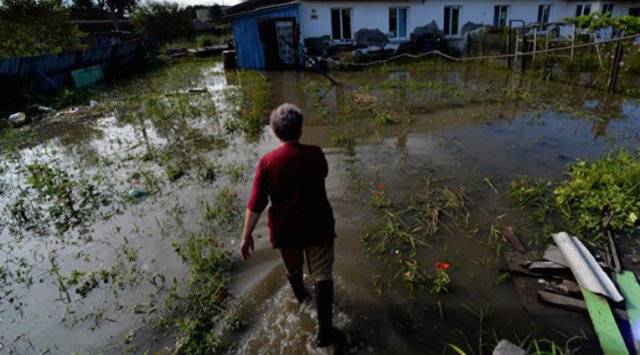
{"x": 87, "y": 10}
{"x": 35, "y": 27}
{"x": 215, "y": 14}
{"x": 163, "y": 20}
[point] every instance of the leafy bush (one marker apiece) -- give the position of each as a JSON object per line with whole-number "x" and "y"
{"x": 610, "y": 184}
{"x": 35, "y": 27}
{"x": 629, "y": 25}
{"x": 204, "y": 41}
{"x": 593, "y": 191}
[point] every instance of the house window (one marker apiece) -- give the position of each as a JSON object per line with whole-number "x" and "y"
{"x": 398, "y": 23}
{"x": 634, "y": 11}
{"x": 452, "y": 20}
{"x": 340, "y": 24}
{"x": 500, "y": 15}
{"x": 543, "y": 13}
{"x": 583, "y": 9}
{"x": 607, "y": 8}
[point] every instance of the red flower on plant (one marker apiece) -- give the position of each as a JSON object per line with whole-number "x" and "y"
{"x": 378, "y": 193}
{"x": 229, "y": 253}
{"x": 442, "y": 266}
{"x": 381, "y": 186}
{"x": 411, "y": 262}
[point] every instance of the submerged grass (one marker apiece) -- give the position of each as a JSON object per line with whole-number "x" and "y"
{"x": 252, "y": 97}
{"x": 204, "y": 308}
{"x": 404, "y": 227}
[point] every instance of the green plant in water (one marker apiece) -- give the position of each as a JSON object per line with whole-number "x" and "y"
{"x": 527, "y": 193}
{"x": 253, "y": 103}
{"x": 442, "y": 280}
{"x": 205, "y": 306}
{"x": 379, "y": 199}
{"x": 610, "y": 184}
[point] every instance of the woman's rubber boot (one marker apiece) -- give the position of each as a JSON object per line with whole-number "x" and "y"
{"x": 297, "y": 284}
{"x": 324, "y": 300}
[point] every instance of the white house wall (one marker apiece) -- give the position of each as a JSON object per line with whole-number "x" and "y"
{"x": 315, "y": 16}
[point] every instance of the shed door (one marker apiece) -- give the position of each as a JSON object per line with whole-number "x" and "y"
{"x": 278, "y": 39}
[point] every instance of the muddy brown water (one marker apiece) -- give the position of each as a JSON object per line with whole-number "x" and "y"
{"x": 461, "y": 143}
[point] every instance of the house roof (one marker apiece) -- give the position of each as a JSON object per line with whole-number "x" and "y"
{"x": 253, "y": 5}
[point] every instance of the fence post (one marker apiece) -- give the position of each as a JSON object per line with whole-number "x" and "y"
{"x": 616, "y": 68}
{"x": 525, "y": 50}
{"x": 535, "y": 41}
{"x": 573, "y": 40}
{"x": 468, "y": 44}
{"x": 509, "y": 59}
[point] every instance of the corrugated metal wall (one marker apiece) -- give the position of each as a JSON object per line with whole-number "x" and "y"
{"x": 57, "y": 65}
{"x": 249, "y": 50}
{"x": 120, "y": 54}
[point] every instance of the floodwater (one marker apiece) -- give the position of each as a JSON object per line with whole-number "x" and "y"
{"x": 461, "y": 132}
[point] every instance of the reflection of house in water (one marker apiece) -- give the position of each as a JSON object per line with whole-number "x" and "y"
{"x": 269, "y": 32}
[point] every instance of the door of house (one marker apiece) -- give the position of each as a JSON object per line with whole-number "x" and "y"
{"x": 278, "y": 37}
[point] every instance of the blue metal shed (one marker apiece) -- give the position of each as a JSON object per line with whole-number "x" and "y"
{"x": 250, "y": 49}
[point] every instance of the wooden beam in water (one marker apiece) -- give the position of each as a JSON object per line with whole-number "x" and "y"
{"x": 511, "y": 238}
{"x": 628, "y": 285}
{"x": 604, "y": 323}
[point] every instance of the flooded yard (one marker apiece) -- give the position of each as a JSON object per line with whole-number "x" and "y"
{"x": 121, "y": 223}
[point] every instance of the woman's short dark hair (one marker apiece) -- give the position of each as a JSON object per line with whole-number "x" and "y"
{"x": 286, "y": 122}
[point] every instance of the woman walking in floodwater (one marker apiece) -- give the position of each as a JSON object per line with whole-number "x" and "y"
{"x": 301, "y": 223}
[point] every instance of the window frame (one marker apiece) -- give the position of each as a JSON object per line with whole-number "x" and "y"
{"x": 541, "y": 12}
{"x": 447, "y": 29}
{"x": 608, "y": 6}
{"x": 396, "y": 35}
{"x": 634, "y": 9}
{"x": 583, "y": 9}
{"x": 497, "y": 12}
{"x": 341, "y": 11}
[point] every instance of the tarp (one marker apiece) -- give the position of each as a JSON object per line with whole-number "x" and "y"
{"x": 585, "y": 268}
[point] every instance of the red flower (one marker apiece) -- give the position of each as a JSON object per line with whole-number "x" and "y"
{"x": 381, "y": 186}
{"x": 411, "y": 262}
{"x": 442, "y": 266}
{"x": 212, "y": 242}
{"x": 378, "y": 193}
{"x": 229, "y": 253}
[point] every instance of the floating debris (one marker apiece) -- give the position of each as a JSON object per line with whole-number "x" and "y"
{"x": 18, "y": 118}
{"x": 47, "y": 109}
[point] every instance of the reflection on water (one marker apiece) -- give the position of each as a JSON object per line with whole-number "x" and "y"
{"x": 448, "y": 127}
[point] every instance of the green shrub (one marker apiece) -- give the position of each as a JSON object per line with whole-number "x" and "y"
{"x": 593, "y": 191}
{"x": 204, "y": 41}
{"x": 610, "y": 184}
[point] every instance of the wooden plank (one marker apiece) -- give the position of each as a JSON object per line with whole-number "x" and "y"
{"x": 553, "y": 254}
{"x": 562, "y": 301}
{"x": 614, "y": 253}
{"x": 628, "y": 285}
{"x": 517, "y": 263}
{"x": 572, "y": 303}
{"x": 570, "y": 287}
{"x": 604, "y": 323}
{"x": 546, "y": 265}
{"x": 511, "y": 238}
